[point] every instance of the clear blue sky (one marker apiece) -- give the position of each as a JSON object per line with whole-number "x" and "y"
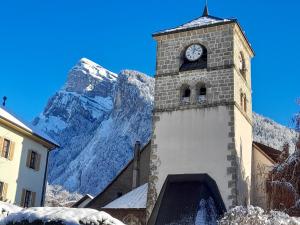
{"x": 41, "y": 40}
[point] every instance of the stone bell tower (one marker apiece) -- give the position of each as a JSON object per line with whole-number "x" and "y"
{"x": 202, "y": 122}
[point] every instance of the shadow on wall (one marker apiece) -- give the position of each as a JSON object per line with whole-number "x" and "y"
{"x": 242, "y": 183}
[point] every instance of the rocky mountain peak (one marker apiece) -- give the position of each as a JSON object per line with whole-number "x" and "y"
{"x": 89, "y": 78}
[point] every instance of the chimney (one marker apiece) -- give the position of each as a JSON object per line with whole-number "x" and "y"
{"x": 4, "y": 101}
{"x": 136, "y": 165}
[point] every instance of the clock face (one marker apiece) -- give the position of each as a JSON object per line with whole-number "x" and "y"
{"x": 194, "y": 52}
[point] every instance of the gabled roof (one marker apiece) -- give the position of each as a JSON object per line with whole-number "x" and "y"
{"x": 135, "y": 199}
{"x": 202, "y": 21}
{"x": 270, "y": 152}
{"x": 12, "y": 121}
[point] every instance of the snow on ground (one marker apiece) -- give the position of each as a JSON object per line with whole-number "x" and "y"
{"x": 136, "y": 199}
{"x": 256, "y": 216}
{"x": 6, "y": 209}
{"x": 66, "y": 216}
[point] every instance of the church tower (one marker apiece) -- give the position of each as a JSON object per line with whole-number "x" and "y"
{"x": 202, "y": 123}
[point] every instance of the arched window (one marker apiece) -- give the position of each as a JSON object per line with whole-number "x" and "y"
{"x": 185, "y": 94}
{"x": 242, "y": 64}
{"x": 201, "y": 93}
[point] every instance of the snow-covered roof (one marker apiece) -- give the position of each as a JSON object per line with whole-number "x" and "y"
{"x": 9, "y": 117}
{"x": 197, "y": 23}
{"x": 136, "y": 199}
{"x": 68, "y": 216}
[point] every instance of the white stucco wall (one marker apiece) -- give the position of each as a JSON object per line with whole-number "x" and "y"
{"x": 243, "y": 144}
{"x": 261, "y": 167}
{"x": 194, "y": 141}
{"x": 15, "y": 173}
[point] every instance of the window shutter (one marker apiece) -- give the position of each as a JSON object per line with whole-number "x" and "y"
{"x": 33, "y": 194}
{"x": 4, "y": 192}
{"x": 11, "y": 150}
{"x": 23, "y": 197}
{"x": 38, "y": 162}
{"x": 28, "y": 158}
{"x": 1, "y": 145}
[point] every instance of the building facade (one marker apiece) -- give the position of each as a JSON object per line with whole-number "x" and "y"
{"x": 23, "y": 162}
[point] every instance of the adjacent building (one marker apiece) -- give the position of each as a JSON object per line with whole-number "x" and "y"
{"x": 23, "y": 161}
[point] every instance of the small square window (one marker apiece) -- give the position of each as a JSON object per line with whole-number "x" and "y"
{"x": 33, "y": 158}
{"x": 6, "y": 147}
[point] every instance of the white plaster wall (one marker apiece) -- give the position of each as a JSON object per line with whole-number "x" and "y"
{"x": 194, "y": 141}
{"x": 243, "y": 145}
{"x": 16, "y": 174}
{"x": 9, "y": 170}
{"x": 261, "y": 167}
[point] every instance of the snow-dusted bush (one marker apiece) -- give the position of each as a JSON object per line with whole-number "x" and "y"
{"x": 57, "y": 196}
{"x": 256, "y": 216}
{"x": 59, "y": 216}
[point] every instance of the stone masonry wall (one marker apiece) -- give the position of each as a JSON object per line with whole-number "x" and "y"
{"x": 222, "y": 79}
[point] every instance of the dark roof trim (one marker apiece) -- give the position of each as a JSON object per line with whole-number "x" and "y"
{"x": 76, "y": 204}
{"x": 119, "y": 174}
{"x": 271, "y": 153}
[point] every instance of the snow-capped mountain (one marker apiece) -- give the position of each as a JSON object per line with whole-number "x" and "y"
{"x": 272, "y": 134}
{"x": 97, "y": 117}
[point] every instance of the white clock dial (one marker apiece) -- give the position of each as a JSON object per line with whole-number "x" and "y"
{"x": 194, "y": 52}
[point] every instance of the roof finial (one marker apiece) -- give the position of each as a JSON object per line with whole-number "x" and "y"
{"x": 205, "y": 11}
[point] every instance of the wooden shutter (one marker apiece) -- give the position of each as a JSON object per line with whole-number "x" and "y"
{"x": 1, "y": 145}
{"x": 4, "y": 191}
{"x": 37, "y": 162}
{"x": 32, "y": 203}
{"x": 23, "y": 197}
{"x": 11, "y": 150}
{"x": 28, "y": 158}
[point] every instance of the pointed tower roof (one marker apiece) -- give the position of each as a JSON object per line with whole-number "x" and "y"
{"x": 205, "y": 11}
{"x": 203, "y": 21}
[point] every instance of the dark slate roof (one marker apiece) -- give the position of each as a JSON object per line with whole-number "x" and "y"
{"x": 271, "y": 152}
